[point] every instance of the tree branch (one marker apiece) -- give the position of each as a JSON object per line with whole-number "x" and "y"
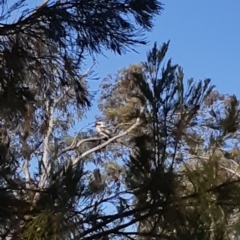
{"x": 75, "y": 161}
{"x": 234, "y": 172}
{"x": 45, "y": 162}
{"x": 25, "y": 169}
{"x": 76, "y": 144}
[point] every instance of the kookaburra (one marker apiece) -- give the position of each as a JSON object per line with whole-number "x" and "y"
{"x": 102, "y": 130}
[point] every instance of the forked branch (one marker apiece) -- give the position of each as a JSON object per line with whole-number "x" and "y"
{"x": 97, "y": 148}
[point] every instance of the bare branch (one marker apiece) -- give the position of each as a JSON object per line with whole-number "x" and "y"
{"x": 25, "y": 169}
{"x": 231, "y": 171}
{"x": 45, "y": 162}
{"x": 119, "y": 125}
{"x": 75, "y": 161}
{"x": 76, "y": 144}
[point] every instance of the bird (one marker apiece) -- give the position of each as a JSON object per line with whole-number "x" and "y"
{"x": 102, "y": 130}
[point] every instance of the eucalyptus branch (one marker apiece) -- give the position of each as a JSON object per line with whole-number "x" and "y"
{"x": 234, "y": 172}
{"x": 76, "y": 160}
{"x": 119, "y": 125}
{"x": 25, "y": 166}
{"x": 76, "y": 144}
{"x": 46, "y": 145}
{"x": 25, "y": 169}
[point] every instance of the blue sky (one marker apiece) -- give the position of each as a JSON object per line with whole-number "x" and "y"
{"x": 204, "y": 39}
